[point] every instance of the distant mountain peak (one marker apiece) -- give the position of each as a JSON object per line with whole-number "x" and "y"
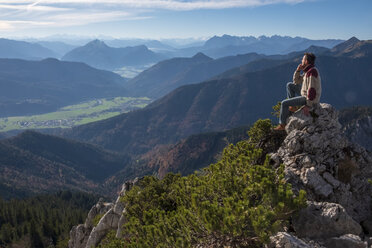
{"x": 141, "y": 48}
{"x": 353, "y": 39}
{"x": 96, "y": 43}
{"x": 201, "y": 56}
{"x": 346, "y": 44}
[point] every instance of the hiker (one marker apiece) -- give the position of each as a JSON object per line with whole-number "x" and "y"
{"x": 303, "y": 92}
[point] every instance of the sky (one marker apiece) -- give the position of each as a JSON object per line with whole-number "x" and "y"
{"x": 161, "y": 19}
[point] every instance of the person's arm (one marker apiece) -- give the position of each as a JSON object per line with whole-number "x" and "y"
{"x": 313, "y": 86}
{"x": 297, "y": 78}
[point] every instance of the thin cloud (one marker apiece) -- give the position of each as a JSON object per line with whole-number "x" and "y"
{"x": 160, "y": 4}
{"x": 28, "y": 13}
{"x": 30, "y": 7}
{"x": 13, "y": 25}
{"x": 73, "y": 19}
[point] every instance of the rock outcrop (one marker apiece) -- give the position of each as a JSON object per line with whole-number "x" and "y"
{"x": 319, "y": 159}
{"x": 283, "y": 239}
{"x": 334, "y": 172}
{"x": 110, "y": 216}
{"x": 79, "y": 234}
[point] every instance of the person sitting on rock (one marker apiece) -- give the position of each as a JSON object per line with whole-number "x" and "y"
{"x": 304, "y": 92}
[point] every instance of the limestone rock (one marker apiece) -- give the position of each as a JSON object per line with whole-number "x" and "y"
{"x": 99, "y": 209}
{"x": 79, "y": 234}
{"x": 330, "y": 179}
{"x": 119, "y": 206}
{"x": 88, "y": 235}
{"x": 286, "y": 240}
{"x": 312, "y": 179}
{"x": 322, "y": 220}
{"x": 346, "y": 241}
{"x": 122, "y": 221}
{"x": 108, "y": 222}
{"x": 319, "y": 159}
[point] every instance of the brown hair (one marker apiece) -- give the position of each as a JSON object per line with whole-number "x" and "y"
{"x": 310, "y": 58}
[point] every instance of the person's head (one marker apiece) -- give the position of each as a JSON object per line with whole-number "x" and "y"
{"x": 308, "y": 59}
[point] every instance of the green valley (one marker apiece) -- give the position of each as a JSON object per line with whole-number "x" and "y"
{"x": 73, "y": 115}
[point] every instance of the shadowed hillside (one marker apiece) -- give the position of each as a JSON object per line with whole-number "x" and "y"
{"x": 33, "y": 163}
{"x": 168, "y": 75}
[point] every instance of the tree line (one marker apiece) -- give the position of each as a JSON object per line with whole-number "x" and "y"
{"x": 43, "y": 220}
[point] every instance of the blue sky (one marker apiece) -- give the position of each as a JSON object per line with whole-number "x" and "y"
{"x": 314, "y": 19}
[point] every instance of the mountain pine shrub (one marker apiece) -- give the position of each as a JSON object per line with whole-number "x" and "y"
{"x": 259, "y": 130}
{"x": 276, "y": 109}
{"x": 233, "y": 202}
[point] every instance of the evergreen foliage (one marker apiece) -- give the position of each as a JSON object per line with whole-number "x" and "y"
{"x": 276, "y": 109}
{"x": 96, "y": 219}
{"x": 44, "y": 220}
{"x": 233, "y": 202}
{"x": 259, "y": 130}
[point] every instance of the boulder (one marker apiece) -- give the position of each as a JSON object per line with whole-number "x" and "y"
{"x": 286, "y": 240}
{"x": 346, "y": 241}
{"x": 322, "y": 220}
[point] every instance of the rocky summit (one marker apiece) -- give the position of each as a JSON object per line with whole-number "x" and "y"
{"x": 334, "y": 172}
{"x": 319, "y": 159}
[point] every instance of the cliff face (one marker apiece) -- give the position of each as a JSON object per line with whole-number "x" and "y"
{"x": 319, "y": 159}
{"x": 102, "y": 218}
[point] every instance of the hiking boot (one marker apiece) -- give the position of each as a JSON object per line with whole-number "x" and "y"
{"x": 280, "y": 127}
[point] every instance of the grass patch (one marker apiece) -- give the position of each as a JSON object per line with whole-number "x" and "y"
{"x": 74, "y": 115}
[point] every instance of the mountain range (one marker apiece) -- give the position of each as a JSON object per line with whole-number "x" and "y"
{"x": 97, "y": 54}
{"x": 225, "y": 103}
{"x": 226, "y": 45}
{"x": 165, "y": 136}
{"x": 134, "y": 52}
{"x": 34, "y": 87}
{"x": 170, "y": 74}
